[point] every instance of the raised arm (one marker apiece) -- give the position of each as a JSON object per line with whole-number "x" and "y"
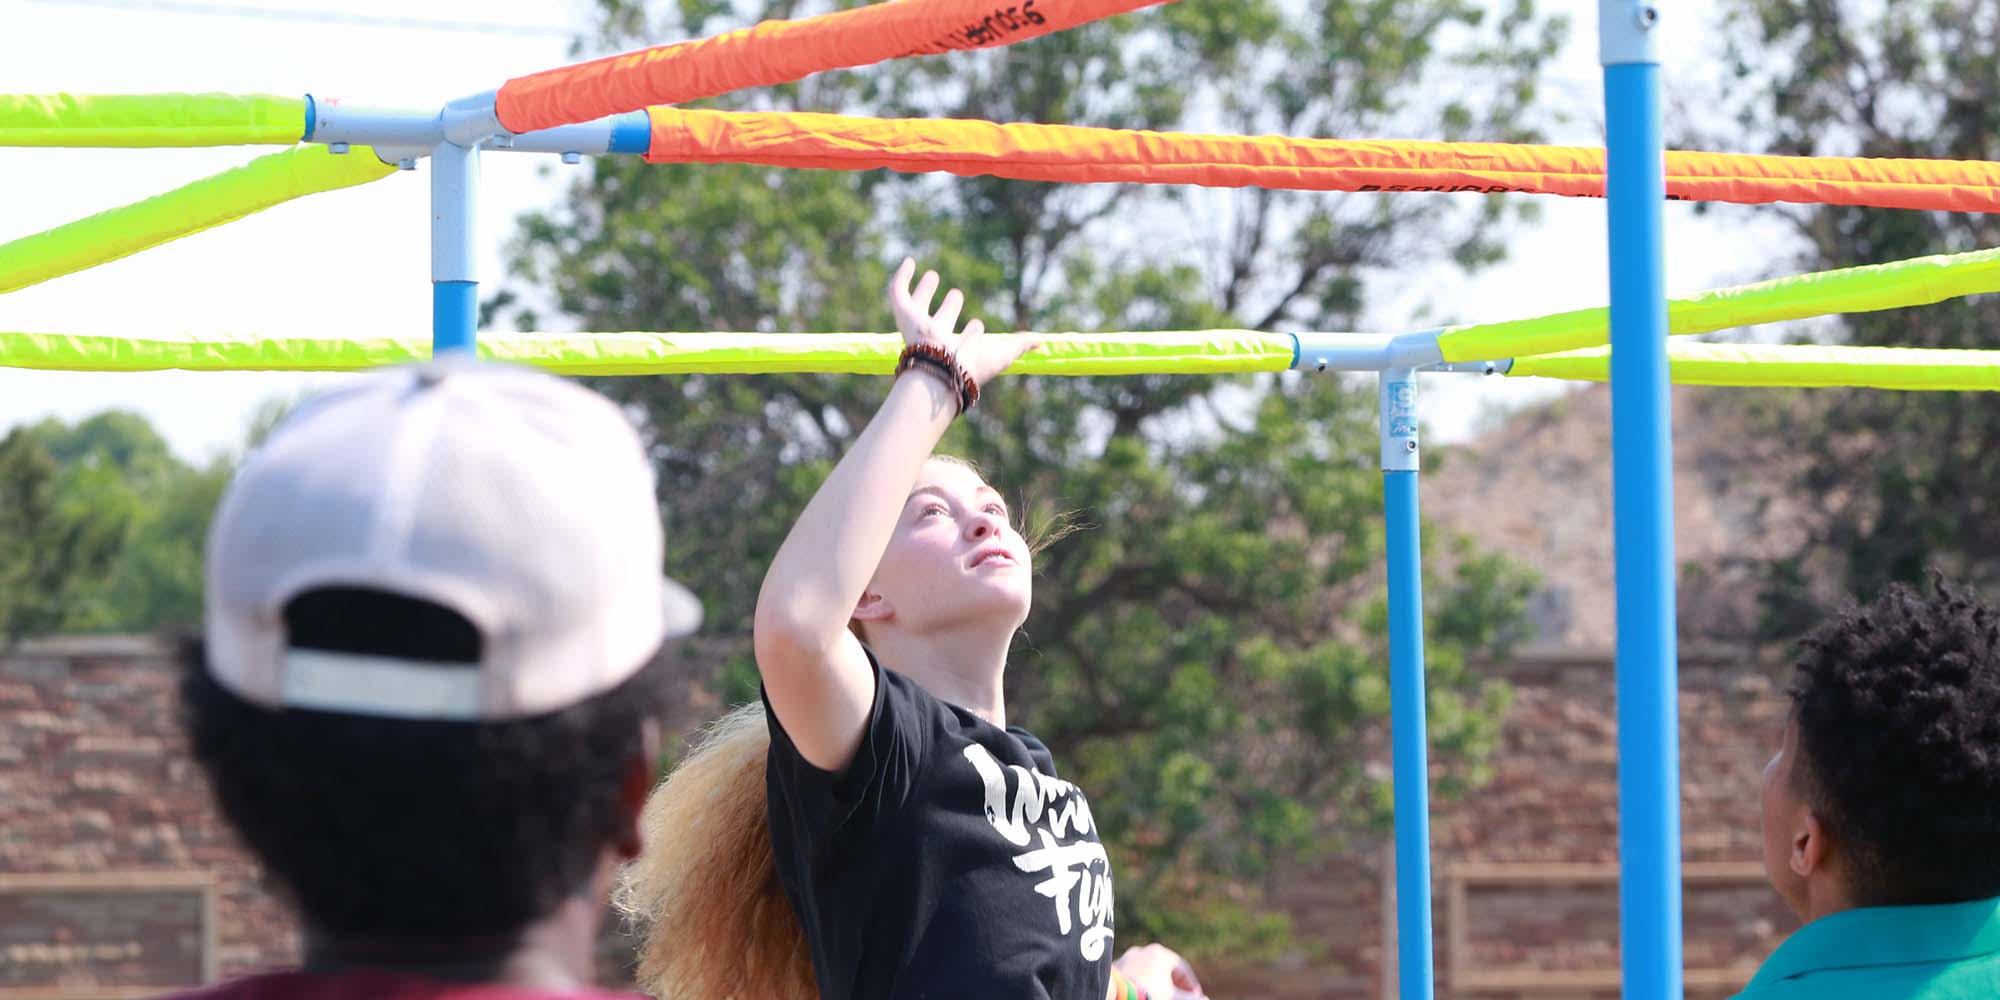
{"x": 815, "y": 674}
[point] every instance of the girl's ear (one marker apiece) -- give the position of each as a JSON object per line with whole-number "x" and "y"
{"x": 873, "y": 607}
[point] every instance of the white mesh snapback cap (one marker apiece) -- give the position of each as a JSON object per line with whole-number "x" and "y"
{"x": 518, "y": 500}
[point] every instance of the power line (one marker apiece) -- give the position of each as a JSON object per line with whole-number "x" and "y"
{"x": 316, "y": 17}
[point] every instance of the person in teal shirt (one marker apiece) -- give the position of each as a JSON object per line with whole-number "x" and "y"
{"x": 1882, "y": 806}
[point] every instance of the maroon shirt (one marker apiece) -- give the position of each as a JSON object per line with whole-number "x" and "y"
{"x": 375, "y": 986}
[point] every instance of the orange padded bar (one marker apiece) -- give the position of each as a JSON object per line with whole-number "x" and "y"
{"x": 782, "y": 51}
{"x": 1076, "y": 154}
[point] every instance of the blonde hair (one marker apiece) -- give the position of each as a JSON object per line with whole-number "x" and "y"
{"x": 704, "y": 894}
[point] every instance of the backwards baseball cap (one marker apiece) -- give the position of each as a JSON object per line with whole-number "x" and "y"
{"x": 521, "y": 502}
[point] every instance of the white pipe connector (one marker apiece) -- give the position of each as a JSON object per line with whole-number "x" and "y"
{"x": 1367, "y": 352}
{"x": 470, "y": 121}
{"x": 402, "y": 133}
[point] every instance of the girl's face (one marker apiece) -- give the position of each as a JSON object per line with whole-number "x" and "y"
{"x": 954, "y": 559}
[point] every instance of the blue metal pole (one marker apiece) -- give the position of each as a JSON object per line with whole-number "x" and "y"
{"x": 454, "y": 273}
{"x": 1398, "y": 389}
{"x": 1649, "y": 896}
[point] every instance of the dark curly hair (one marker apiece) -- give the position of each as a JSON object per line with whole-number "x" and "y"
{"x": 1898, "y": 713}
{"x": 399, "y": 828}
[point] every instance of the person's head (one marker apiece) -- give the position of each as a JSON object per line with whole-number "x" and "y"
{"x": 954, "y": 560}
{"x": 705, "y": 894}
{"x": 1886, "y": 790}
{"x": 425, "y": 692}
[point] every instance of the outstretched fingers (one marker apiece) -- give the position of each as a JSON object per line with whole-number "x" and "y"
{"x": 912, "y": 305}
{"x": 927, "y": 287}
{"x": 902, "y": 296}
{"x": 946, "y": 321}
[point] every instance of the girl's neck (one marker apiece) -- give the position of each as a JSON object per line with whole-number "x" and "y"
{"x": 964, "y": 666}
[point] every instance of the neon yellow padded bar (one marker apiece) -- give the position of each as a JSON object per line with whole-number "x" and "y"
{"x": 1188, "y": 353}
{"x": 142, "y": 120}
{"x": 1697, "y": 363}
{"x": 206, "y": 203}
{"x": 1919, "y": 281}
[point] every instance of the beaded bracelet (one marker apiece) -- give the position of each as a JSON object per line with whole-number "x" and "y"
{"x": 945, "y": 373}
{"x": 940, "y": 362}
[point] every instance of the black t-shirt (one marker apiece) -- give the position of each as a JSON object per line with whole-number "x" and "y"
{"x": 948, "y": 861}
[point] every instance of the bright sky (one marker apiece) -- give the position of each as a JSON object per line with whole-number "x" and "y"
{"x": 358, "y": 260}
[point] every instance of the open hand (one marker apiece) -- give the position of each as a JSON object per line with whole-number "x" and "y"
{"x": 1163, "y": 974}
{"x": 981, "y": 358}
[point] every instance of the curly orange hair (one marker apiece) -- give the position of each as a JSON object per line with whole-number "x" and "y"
{"x": 704, "y": 895}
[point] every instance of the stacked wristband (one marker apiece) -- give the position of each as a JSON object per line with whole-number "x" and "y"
{"x": 941, "y": 363}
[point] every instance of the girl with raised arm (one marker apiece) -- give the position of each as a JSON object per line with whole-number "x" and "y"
{"x": 906, "y": 838}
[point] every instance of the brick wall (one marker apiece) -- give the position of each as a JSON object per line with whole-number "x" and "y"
{"x": 1525, "y": 891}
{"x": 128, "y": 931}
{"x": 95, "y": 781}
{"x": 115, "y": 874}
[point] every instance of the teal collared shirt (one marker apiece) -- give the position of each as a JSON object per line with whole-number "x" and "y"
{"x": 1946, "y": 952}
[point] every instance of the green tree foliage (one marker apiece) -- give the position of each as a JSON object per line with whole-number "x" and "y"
{"x": 101, "y": 528}
{"x": 1209, "y": 654}
{"x": 1904, "y": 480}
{"x": 50, "y": 549}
